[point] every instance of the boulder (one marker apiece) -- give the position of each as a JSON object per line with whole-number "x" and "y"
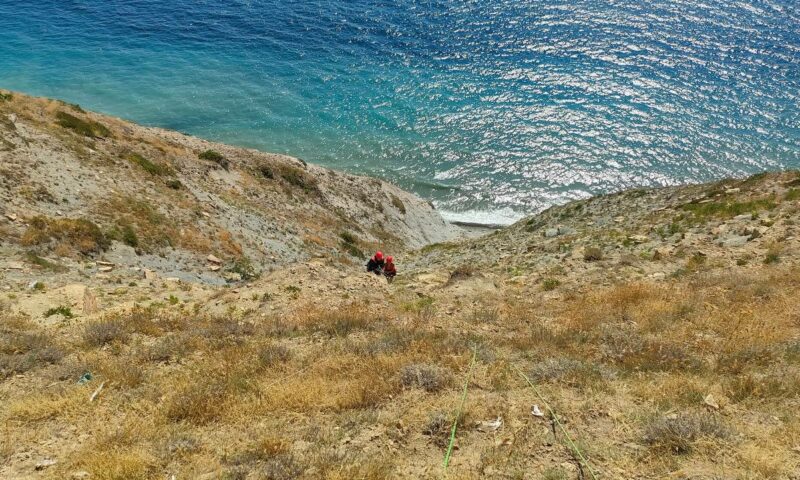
{"x": 733, "y": 241}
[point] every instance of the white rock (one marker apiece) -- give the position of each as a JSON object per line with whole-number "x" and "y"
{"x": 213, "y": 259}
{"x": 47, "y": 462}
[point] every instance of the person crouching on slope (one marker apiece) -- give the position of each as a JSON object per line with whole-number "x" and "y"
{"x": 376, "y": 263}
{"x": 389, "y": 270}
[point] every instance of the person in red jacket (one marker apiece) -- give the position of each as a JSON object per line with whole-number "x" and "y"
{"x": 389, "y": 270}
{"x": 376, "y": 263}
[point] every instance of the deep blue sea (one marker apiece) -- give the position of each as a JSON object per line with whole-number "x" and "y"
{"x": 490, "y": 108}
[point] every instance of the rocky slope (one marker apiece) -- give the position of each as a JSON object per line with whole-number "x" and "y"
{"x": 660, "y": 327}
{"x": 165, "y": 201}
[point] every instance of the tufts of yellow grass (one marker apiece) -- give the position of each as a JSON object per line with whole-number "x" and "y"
{"x": 648, "y": 378}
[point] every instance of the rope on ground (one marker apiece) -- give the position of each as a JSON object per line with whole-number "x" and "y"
{"x": 575, "y": 449}
{"x": 458, "y": 412}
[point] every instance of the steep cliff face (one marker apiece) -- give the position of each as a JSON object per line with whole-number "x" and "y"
{"x": 166, "y": 200}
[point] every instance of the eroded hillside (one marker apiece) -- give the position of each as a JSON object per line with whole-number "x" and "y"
{"x": 660, "y": 327}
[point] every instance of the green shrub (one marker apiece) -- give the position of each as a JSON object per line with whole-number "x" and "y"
{"x": 6, "y": 97}
{"x": 86, "y": 128}
{"x": 398, "y": 204}
{"x": 148, "y": 166}
{"x": 80, "y": 234}
{"x": 592, "y": 254}
{"x": 549, "y": 284}
{"x": 297, "y": 177}
{"x": 773, "y": 256}
{"x": 62, "y": 310}
{"x": 244, "y": 267}
{"x": 216, "y": 157}
{"x": 44, "y": 263}
{"x": 174, "y": 184}
{"x": 728, "y": 209}
{"x": 349, "y": 243}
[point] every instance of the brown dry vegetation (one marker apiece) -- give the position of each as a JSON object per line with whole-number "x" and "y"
{"x": 357, "y": 392}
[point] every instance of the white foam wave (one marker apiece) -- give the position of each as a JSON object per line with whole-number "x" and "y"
{"x": 503, "y": 216}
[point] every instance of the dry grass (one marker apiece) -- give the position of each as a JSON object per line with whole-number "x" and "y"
{"x": 78, "y": 235}
{"x": 243, "y": 395}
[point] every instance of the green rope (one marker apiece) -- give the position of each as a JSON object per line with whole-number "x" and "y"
{"x": 572, "y": 445}
{"x": 458, "y": 412}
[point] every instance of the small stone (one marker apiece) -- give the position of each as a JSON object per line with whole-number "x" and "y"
{"x": 734, "y": 241}
{"x": 47, "y": 462}
{"x": 105, "y": 269}
{"x": 148, "y": 274}
{"x": 80, "y": 475}
{"x": 214, "y": 268}
{"x": 551, "y": 232}
{"x": 213, "y": 259}
{"x": 731, "y": 191}
{"x": 11, "y": 216}
{"x": 103, "y": 263}
{"x": 711, "y": 402}
{"x": 638, "y": 238}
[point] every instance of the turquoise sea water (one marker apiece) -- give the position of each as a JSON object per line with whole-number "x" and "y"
{"x": 491, "y": 108}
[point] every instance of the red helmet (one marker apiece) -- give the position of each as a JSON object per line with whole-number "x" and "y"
{"x": 389, "y": 259}
{"x": 379, "y": 256}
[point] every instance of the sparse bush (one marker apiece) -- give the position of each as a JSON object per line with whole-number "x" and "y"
{"x": 222, "y": 331}
{"x": 174, "y": 184}
{"x": 97, "y": 334}
{"x": 148, "y": 166}
{"x": 273, "y": 354}
{"x": 678, "y": 434}
{"x": 216, "y": 157}
{"x": 592, "y": 254}
{"x": 723, "y": 210}
{"x": 425, "y": 376}
{"x": 549, "y": 284}
{"x": 342, "y": 322}
{"x": 169, "y": 348}
{"x": 79, "y": 234}
{"x": 6, "y": 97}
{"x": 86, "y": 128}
{"x": 297, "y": 177}
{"x": 438, "y": 428}
{"x": 462, "y": 272}
{"x": 244, "y": 267}
{"x": 349, "y": 243}
{"x": 398, "y": 204}
{"x": 773, "y": 256}
{"x": 198, "y": 403}
{"x": 554, "y": 473}
{"x": 281, "y": 467}
{"x": 23, "y": 351}
{"x": 566, "y": 370}
{"x": 45, "y": 264}
{"x": 62, "y": 310}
